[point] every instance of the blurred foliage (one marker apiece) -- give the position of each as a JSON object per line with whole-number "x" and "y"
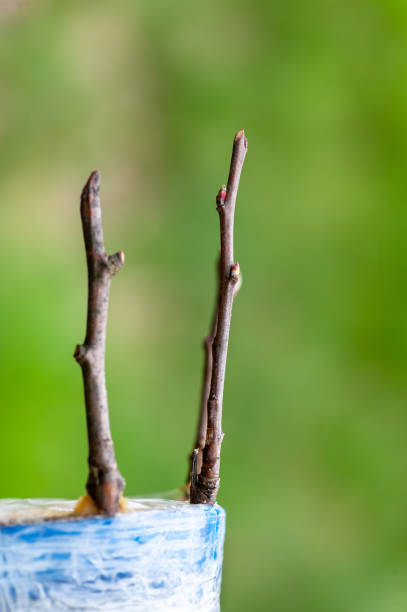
{"x": 315, "y": 455}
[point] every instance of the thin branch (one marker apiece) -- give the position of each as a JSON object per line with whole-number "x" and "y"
{"x": 205, "y": 485}
{"x": 195, "y": 458}
{"x": 105, "y": 483}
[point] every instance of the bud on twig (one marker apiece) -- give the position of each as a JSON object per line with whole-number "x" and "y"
{"x": 235, "y": 272}
{"x": 221, "y": 197}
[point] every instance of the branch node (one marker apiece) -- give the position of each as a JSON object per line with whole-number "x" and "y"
{"x": 80, "y": 353}
{"x": 115, "y": 262}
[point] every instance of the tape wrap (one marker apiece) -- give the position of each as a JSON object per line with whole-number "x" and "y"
{"x": 163, "y": 555}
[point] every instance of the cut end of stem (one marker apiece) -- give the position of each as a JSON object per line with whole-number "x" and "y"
{"x": 95, "y": 178}
{"x": 92, "y": 185}
{"x": 239, "y": 135}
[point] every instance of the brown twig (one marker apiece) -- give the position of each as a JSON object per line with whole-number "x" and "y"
{"x": 105, "y": 483}
{"x": 195, "y": 458}
{"x": 205, "y": 485}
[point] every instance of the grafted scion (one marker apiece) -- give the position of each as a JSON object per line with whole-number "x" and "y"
{"x": 205, "y": 462}
{"x": 105, "y": 483}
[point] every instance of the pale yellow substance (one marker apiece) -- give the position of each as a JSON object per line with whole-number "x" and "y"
{"x": 85, "y": 506}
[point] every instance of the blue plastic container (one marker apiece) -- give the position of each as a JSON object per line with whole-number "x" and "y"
{"x": 161, "y": 555}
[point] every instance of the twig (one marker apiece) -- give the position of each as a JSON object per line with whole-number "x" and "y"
{"x": 105, "y": 483}
{"x": 195, "y": 458}
{"x": 204, "y": 487}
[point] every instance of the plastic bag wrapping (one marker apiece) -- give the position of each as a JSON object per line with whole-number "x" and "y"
{"x": 161, "y": 555}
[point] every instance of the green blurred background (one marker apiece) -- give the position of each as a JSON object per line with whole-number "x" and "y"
{"x": 315, "y": 456}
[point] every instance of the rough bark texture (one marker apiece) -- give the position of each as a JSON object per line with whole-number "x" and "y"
{"x": 205, "y": 485}
{"x": 105, "y": 483}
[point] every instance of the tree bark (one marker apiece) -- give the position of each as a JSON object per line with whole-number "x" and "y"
{"x": 205, "y": 485}
{"x": 105, "y": 483}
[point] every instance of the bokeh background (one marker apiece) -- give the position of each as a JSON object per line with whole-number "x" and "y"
{"x": 151, "y": 92}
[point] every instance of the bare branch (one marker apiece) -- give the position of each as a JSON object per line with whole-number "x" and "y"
{"x": 195, "y": 458}
{"x": 205, "y": 485}
{"x": 105, "y": 483}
